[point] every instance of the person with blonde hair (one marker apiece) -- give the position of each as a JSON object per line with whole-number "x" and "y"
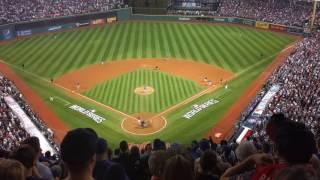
{"x": 11, "y": 170}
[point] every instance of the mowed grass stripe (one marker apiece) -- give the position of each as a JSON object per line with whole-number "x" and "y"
{"x": 171, "y": 42}
{"x": 204, "y": 41}
{"x": 202, "y": 55}
{"x": 221, "y": 51}
{"x": 127, "y": 96}
{"x": 22, "y": 48}
{"x": 95, "y": 55}
{"x": 114, "y": 51}
{"x": 216, "y": 58}
{"x": 144, "y": 32}
{"x": 57, "y": 58}
{"x": 230, "y": 48}
{"x": 236, "y": 38}
{"x": 148, "y": 41}
{"x": 107, "y": 40}
{"x": 243, "y": 53}
{"x": 189, "y": 44}
{"x": 271, "y": 45}
{"x": 74, "y": 55}
{"x": 29, "y": 52}
{"x": 165, "y": 50}
{"x": 135, "y": 41}
{"x": 224, "y": 51}
{"x": 168, "y": 89}
{"x": 121, "y": 91}
{"x": 64, "y": 58}
{"x": 180, "y": 46}
{"x": 124, "y": 43}
{"x": 47, "y": 51}
{"x": 120, "y": 97}
{"x": 44, "y": 66}
{"x": 89, "y": 54}
{"x": 50, "y": 57}
{"x": 111, "y": 42}
{"x": 152, "y": 41}
{"x": 252, "y": 54}
{"x": 80, "y": 58}
{"x": 103, "y": 47}
{"x": 253, "y": 40}
{"x": 131, "y": 41}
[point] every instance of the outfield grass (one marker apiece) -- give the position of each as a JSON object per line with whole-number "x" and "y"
{"x": 245, "y": 52}
{"x": 119, "y": 92}
{"x": 230, "y": 47}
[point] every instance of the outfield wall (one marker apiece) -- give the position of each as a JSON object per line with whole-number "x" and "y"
{"x": 232, "y": 20}
{"x": 11, "y": 31}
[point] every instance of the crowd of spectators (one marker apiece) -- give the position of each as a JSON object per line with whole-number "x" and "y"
{"x": 277, "y": 12}
{"x": 12, "y": 130}
{"x": 289, "y": 151}
{"x": 299, "y": 77}
{"x": 12, "y": 11}
{"x": 299, "y": 95}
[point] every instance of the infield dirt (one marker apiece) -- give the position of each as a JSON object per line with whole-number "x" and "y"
{"x": 92, "y": 75}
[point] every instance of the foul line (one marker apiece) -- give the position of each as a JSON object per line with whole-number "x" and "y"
{"x": 63, "y": 100}
{"x": 70, "y": 91}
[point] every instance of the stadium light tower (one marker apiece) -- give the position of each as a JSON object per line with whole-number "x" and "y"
{"x": 314, "y": 13}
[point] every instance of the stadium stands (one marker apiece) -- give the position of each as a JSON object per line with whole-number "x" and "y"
{"x": 277, "y": 12}
{"x": 12, "y": 128}
{"x": 281, "y": 144}
{"x": 12, "y": 11}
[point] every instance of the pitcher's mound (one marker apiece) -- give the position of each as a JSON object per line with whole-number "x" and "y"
{"x": 143, "y": 124}
{"x": 144, "y": 90}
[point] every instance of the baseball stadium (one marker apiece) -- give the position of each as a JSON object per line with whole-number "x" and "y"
{"x": 195, "y": 79}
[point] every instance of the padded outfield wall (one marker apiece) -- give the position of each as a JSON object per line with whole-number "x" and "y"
{"x": 11, "y": 31}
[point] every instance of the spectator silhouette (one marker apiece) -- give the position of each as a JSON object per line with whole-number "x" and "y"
{"x": 78, "y": 150}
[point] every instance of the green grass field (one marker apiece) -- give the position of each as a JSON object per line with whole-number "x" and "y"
{"x": 243, "y": 51}
{"x": 118, "y": 93}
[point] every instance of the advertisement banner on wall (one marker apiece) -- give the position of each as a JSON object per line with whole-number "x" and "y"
{"x": 230, "y": 19}
{"x": 294, "y": 30}
{"x": 82, "y": 24}
{"x": 262, "y": 25}
{"x": 184, "y": 19}
{"x": 111, "y": 19}
{"x": 220, "y": 19}
{"x": 98, "y": 21}
{"x": 7, "y": 34}
{"x": 248, "y": 22}
{"x": 26, "y": 32}
{"x": 236, "y": 20}
{"x": 54, "y": 28}
{"x": 277, "y": 27}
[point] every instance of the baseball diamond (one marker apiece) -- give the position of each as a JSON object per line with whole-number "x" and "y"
{"x": 177, "y": 64}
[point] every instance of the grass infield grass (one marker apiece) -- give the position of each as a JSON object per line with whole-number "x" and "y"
{"x": 119, "y": 92}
